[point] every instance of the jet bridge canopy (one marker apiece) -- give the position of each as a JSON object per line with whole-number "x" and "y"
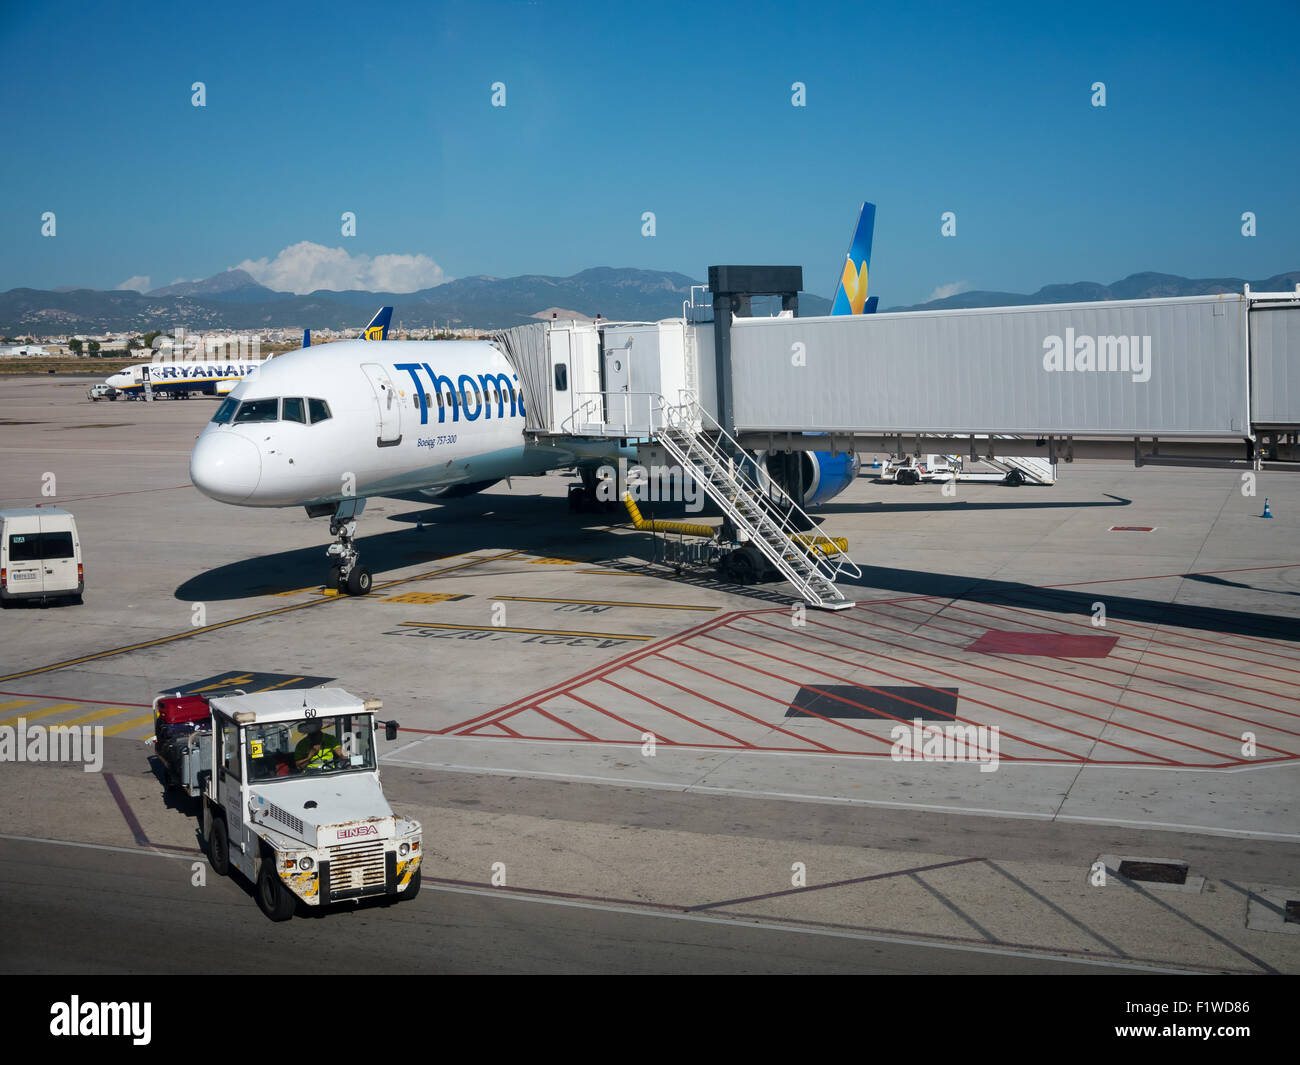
{"x": 1168, "y": 367}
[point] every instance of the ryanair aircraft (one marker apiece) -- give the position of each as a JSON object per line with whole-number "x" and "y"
{"x": 210, "y": 377}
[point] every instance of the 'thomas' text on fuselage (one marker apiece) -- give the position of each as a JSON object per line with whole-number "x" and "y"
{"x": 356, "y": 418}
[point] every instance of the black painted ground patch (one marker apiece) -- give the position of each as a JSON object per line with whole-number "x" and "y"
{"x": 1154, "y": 872}
{"x": 852, "y": 701}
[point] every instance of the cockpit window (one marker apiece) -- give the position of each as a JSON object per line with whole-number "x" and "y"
{"x": 293, "y": 411}
{"x": 226, "y": 411}
{"x": 258, "y": 410}
{"x": 319, "y": 410}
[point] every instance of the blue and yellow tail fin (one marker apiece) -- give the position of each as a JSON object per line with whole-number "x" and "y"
{"x": 851, "y": 295}
{"x": 378, "y": 327}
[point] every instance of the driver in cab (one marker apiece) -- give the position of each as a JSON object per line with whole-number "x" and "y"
{"x": 317, "y": 749}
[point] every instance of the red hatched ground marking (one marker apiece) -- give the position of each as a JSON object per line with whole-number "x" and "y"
{"x": 726, "y": 684}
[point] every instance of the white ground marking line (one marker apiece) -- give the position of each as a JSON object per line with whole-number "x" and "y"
{"x": 453, "y": 767}
{"x": 1004, "y": 765}
{"x": 184, "y": 856}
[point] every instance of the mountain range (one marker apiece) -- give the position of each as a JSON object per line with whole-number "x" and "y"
{"x": 1143, "y": 286}
{"x": 235, "y": 300}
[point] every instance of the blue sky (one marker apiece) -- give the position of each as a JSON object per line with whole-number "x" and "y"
{"x": 683, "y": 110}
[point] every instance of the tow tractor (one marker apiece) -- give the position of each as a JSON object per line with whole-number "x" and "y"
{"x": 291, "y": 797}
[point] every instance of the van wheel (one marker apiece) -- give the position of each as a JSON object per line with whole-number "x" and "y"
{"x": 275, "y": 900}
{"x": 413, "y": 888}
{"x": 75, "y": 600}
{"x": 219, "y": 848}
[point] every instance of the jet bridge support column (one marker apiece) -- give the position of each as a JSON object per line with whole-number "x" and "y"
{"x": 733, "y": 288}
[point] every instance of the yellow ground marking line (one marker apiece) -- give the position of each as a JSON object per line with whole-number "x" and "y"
{"x": 533, "y": 632}
{"x": 158, "y": 641}
{"x": 601, "y": 602}
{"x": 14, "y": 704}
{"x": 612, "y": 573}
{"x": 57, "y": 708}
{"x": 98, "y": 715}
{"x": 135, "y": 722}
{"x": 282, "y": 684}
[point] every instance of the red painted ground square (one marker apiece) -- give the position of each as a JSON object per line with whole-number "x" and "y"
{"x": 1045, "y": 644}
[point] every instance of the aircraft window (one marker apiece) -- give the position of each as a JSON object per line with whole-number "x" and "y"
{"x": 226, "y": 411}
{"x": 451, "y": 399}
{"x": 319, "y": 410}
{"x": 294, "y": 411}
{"x": 258, "y": 410}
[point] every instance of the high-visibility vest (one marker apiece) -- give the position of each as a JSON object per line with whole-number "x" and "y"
{"x": 322, "y": 757}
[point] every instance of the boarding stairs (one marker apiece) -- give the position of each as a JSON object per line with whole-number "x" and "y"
{"x": 761, "y": 512}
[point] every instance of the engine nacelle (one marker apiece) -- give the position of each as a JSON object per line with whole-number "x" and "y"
{"x": 824, "y": 476}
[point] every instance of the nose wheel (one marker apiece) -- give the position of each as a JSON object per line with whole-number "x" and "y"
{"x": 347, "y": 574}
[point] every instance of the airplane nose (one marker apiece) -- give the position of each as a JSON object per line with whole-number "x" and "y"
{"x": 225, "y": 467}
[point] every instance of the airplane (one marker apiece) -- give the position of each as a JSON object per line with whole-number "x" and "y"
{"x": 211, "y": 376}
{"x": 328, "y": 426}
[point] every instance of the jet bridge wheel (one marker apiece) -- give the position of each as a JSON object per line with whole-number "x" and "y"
{"x": 273, "y": 898}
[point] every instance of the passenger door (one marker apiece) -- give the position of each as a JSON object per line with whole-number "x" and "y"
{"x": 390, "y": 410}
{"x": 230, "y": 795}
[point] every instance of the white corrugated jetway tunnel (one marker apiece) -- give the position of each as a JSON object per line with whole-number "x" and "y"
{"x": 1205, "y": 368}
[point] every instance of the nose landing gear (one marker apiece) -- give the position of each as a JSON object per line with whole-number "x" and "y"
{"x": 346, "y": 573}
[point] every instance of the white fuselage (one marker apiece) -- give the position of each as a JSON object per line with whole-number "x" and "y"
{"x": 359, "y": 418}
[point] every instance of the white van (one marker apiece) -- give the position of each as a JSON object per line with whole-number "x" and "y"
{"x": 40, "y": 555}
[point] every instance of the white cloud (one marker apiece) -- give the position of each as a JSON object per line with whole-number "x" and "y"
{"x": 305, "y": 267}
{"x": 139, "y": 283}
{"x": 944, "y": 291}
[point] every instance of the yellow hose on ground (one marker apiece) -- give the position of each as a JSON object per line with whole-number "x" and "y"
{"x": 822, "y": 545}
{"x": 686, "y": 528}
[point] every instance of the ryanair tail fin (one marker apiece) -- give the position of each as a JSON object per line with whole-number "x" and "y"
{"x": 851, "y": 295}
{"x": 378, "y": 327}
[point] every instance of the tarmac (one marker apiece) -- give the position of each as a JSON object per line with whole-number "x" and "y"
{"x": 1123, "y": 649}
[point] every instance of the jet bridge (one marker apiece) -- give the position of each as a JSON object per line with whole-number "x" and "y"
{"x": 1200, "y": 380}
